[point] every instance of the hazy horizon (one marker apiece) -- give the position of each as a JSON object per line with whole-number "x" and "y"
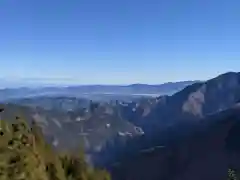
{"x": 38, "y": 82}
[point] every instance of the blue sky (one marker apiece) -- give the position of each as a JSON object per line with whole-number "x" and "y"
{"x": 118, "y": 41}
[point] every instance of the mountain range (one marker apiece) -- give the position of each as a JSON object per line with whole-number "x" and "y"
{"x": 191, "y": 133}
{"x": 94, "y": 92}
{"x": 68, "y": 130}
{"x": 195, "y": 101}
{"x": 181, "y": 130}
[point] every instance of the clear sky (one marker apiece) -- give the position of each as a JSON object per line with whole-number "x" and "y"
{"x": 119, "y": 41}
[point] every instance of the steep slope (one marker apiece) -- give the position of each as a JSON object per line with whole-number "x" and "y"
{"x": 26, "y": 156}
{"x": 170, "y": 115}
{"x": 205, "y": 151}
{"x": 135, "y": 110}
{"x": 195, "y": 101}
{"x": 69, "y": 130}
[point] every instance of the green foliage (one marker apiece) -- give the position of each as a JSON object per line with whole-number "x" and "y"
{"x": 100, "y": 175}
{"x": 232, "y": 175}
{"x": 76, "y": 168}
{"x": 25, "y": 155}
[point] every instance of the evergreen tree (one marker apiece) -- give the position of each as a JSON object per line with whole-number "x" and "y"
{"x": 24, "y": 155}
{"x": 232, "y": 175}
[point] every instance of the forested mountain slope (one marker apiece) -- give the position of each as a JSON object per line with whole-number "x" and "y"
{"x": 25, "y": 156}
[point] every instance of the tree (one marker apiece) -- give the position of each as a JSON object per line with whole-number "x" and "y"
{"x": 24, "y": 154}
{"x": 232, "y": 175}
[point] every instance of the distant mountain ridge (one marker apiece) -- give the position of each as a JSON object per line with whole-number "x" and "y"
{"x": 94, "y": 90}
{"x": 38, "y": 83}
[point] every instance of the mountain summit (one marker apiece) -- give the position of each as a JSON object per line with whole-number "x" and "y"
{"x": 195, "y": 101}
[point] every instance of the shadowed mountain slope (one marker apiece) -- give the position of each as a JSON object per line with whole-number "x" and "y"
{"x": 195, "y": 101}
{"x": 205, "y": 151}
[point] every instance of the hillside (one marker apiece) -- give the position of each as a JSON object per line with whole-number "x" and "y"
{"x": 91, "y": 128}
{"x": 194, "y": 101}
{"x": 170, "y": 117}
{"x": 26, "y": 156}
{"x": 205, "y": 151}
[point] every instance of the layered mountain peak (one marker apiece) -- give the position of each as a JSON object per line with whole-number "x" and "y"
{"x": 227, "y": 76}
{"x": 214, "y": 95}
{"x": 196, "y": 101}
